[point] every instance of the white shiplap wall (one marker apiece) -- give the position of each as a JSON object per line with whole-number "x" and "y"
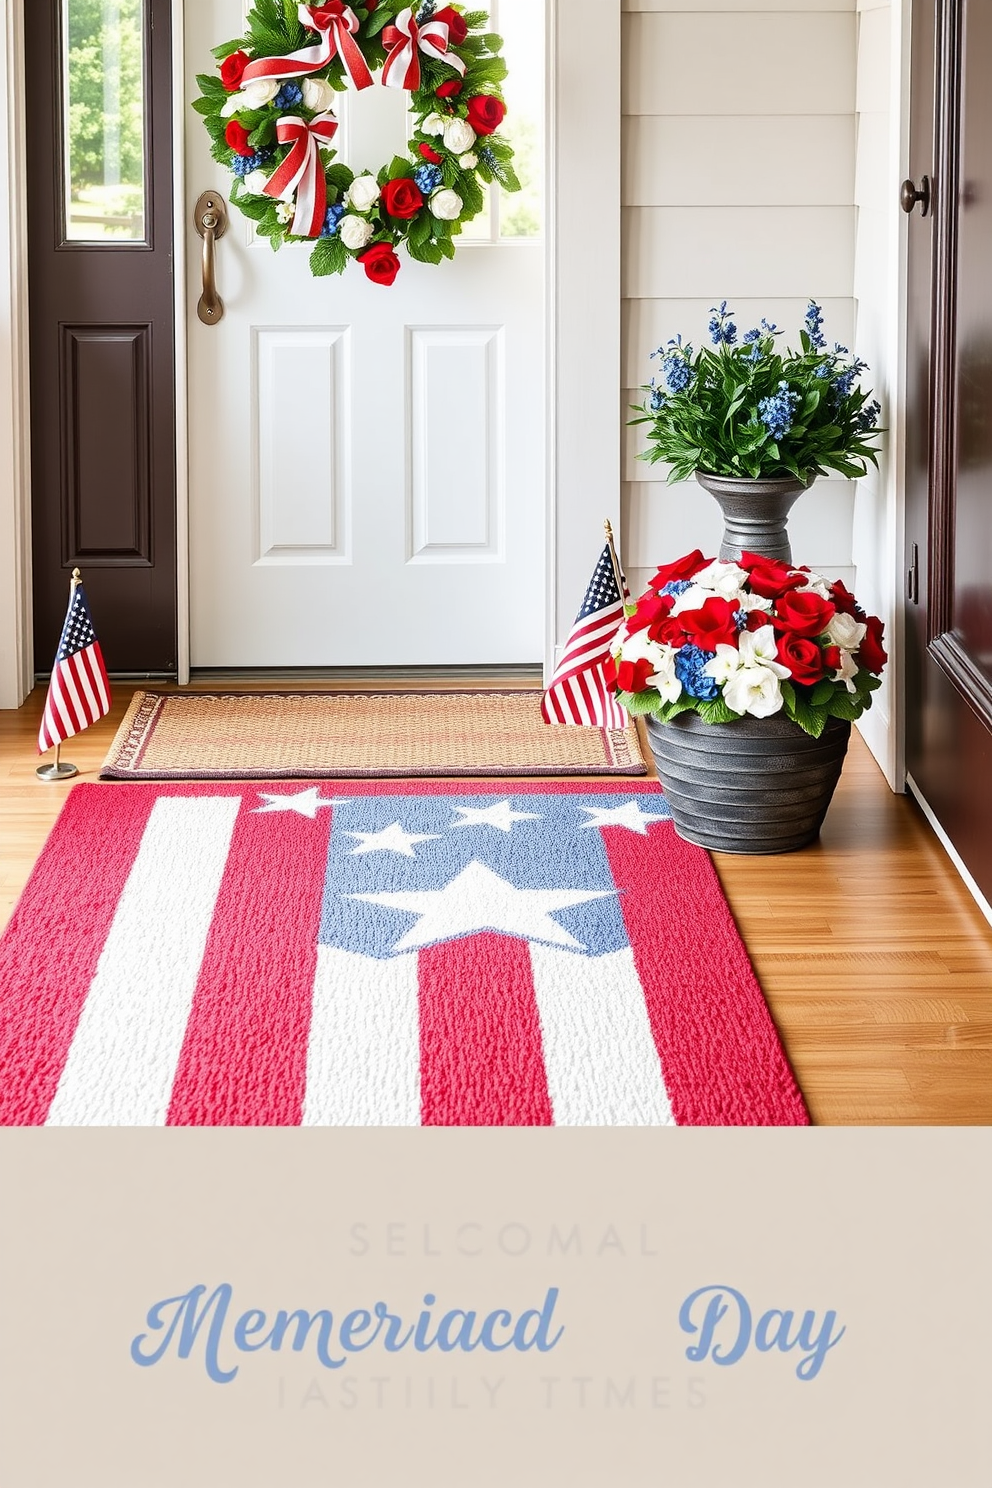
{"x": 739, "y": 151}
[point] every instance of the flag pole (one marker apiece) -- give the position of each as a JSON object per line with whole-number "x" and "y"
{"x": 60, "y": 770}
{"x": 617, "y": 571}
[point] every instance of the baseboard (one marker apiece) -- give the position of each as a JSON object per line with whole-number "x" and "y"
{"x": 948, "y": 846}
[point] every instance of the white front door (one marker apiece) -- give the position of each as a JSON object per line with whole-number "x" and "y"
{"x": 367, "y": 464}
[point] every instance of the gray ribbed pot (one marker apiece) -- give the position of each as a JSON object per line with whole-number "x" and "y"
{"x": 755, "y": 513}
{"x": 757, "y": 785}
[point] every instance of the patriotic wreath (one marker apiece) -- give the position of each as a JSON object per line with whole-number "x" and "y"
{"x": 270, "y": 116}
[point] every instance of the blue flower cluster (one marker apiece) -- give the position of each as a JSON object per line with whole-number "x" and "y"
{"x": 289, "y": 95}
{"x": 689, "y": 663}
{"x": 656, "y": 399}
{"x": 868, "y": 417}
{"x": 677, "y": 372}
{"x": 428, "y": 178}
{"x": 243, "y": 165}
{"x": 676, "y": 586}
{"x": 814, "y": 325}
{"x": 843, "y": 384}
{"x": 332, "y": 219}
{"x": 722, "y": 329}
{"x": 778, "y": 411}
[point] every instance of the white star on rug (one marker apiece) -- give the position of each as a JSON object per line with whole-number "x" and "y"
{"x": 501, "y": 816}
{"x": 478, "y": 899}
{"x": 629, "y": 815}
{"x": 391, "y": 839}
{"x": 304, "y": 803}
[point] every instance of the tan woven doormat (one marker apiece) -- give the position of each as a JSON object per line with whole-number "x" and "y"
{"x": 320, "y": 736}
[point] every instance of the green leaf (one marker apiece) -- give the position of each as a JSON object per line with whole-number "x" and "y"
{"x": 330, "y": 256}
{"x": 812, "y": 720}
{"x": 846, "y": 705}
{"x": 639, "y": 704}
{"x": 822, "y": 692}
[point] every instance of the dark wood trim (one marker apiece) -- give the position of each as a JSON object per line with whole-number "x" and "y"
{"x": 973, "y": 685}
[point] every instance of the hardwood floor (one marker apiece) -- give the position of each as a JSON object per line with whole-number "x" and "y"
{"x": 875, "y": 961}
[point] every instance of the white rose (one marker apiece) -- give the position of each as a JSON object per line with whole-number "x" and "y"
{"x": 256, "y": 182}
{"x": 725, "y": 578}
{"x": 750, "y": 602}
{"x": 459, "y": 136}
{"x": 816, "y": 584}
{"x": 846, "y": 632}
{"x": 446, "y": 205}
{"x": 317, "y": 95}
{"x": 435, "y": 124}
{"x": 363, "y": 193}
{"x": 693, "y": 598}
{"x": 261, "y": 92}
{"x": 469, "y": 161}
{"x": 355, "y": 232}
{"x": 754, "y": 690}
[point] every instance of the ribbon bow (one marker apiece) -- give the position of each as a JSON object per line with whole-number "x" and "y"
{"x": 303, "y": 171}
{"x": 408, "y": 40}
{"x": 336, "y": 24}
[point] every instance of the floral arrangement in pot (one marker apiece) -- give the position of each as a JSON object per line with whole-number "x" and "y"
{"x": 782, "y": 657}
{"x": 757, "y": 423}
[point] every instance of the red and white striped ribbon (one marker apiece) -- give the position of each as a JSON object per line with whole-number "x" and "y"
{"x": 408, "y": 40}
{"x": 336, "y": 24}
{"x": 303, "y": 172}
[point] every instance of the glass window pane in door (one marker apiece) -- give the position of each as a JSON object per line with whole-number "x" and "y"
{"x": 521, "y": 24}
{"x": 104, "y": 107}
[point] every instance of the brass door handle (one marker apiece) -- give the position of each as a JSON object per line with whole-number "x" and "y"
{"x": 210, "y": 221}
{"x": 910, "y": 194}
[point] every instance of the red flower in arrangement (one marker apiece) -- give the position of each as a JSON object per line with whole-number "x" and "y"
{"x": 402, "y": 197}
{"x": 431, "y": 155}
{"x": 804, "y": 614}
{"x": 871, "y": 654}
{"x": 632, "y": 676}
{"x": 237, "y": 137}
{"x": 651, "y": 608}
{"x": 682, "y": 568}
{"x": 768, "y": 577}
{"x": 485, "y": 113}
{"x": 844, "y": 599}
{"x": 450, "y": 89}
{"x": 803, "y": 657}
{"x": 711, "y": 625}
{"x": 232, "y": 70}
{"x": 831, "y": 658}
{"x": 380, "y": 263}
{"x": 455, "y": 22}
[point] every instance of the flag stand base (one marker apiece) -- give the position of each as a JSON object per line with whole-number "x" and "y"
{"x": 62, "y": 770}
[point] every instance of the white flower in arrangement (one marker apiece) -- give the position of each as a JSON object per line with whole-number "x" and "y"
{"x": 816, "y": 585}
{"x": 847, "y": 671}
{"x": 755, "y": 690}
{"x": 469, "y": 161}
{"x": 256, "y": 182}
{"x": 750, "y": 673}
{"x": 256, "y": 95}
{"x": 435, "y": 124}
{"x": 318, "y": 95}
{"x": 446, "y": 205}
{"x": 639, "y": 647}
{"x": 723, "y": 578}
{"x": 363, "y": 193}
{"x": 459, "y": 136}
{"x": 355, "y": 232}
{"x": 285, "y": 211}
{"x": 749, "y": 602}
{"x": 693, "y": 598}
{"x": 846, "y": 632}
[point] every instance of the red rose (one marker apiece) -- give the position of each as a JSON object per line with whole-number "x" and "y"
{"x": 804, "y": 614}
{"x": 757, "y": 618}
{"x": 650, "y": 608}
{"x": 431, "y": 155}
{"x": 668, "y": 632}
{"x": 632, "y": 676}
{"x": 845, "y": 600}
{"x": 232, "y": 70}
{"x": 711, "y": 625}
{"x": 455, "y": 22}
{"x": 804, "y": 658}
{"x": 870, "y": 653}
{"x": 380, "y": 263}
{"x": 768, "y": 577}
{"x": 450, "y": 89}
{"x": 402, "y": 197}
{"x": 682, "y": 568}
{"x": 831, "y": 658}
{"x": 237, "y": 137}
{"x": 486, "y": 113}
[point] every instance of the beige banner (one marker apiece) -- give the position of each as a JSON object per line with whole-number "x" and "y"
{"x": 833, "y": 1291}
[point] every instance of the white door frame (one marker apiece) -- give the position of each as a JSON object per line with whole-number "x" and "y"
{"x": 582, "y": 281}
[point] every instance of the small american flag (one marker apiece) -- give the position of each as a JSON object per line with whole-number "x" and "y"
{"x": 578, "y": 692}
{"x": 79, "y": 692}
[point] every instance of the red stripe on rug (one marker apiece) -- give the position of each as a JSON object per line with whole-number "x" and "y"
{"x": 244, "y": 1058}
{"x": 481, "y": 1056}
{"x": 50, "y": 952}
{"x": 721, "y": 1056}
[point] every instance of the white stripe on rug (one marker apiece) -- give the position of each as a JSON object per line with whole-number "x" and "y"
{"x": 599, "y": 1053}
{"x": 363, "y": 1058}
{"x": 122, "y": 1061}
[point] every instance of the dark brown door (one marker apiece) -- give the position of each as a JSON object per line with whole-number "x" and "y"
{"x": 102, "y": 324}
{"x": 949, "y": 414}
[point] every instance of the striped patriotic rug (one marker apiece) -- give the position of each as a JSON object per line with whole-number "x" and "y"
{"x": 399, "y": 954}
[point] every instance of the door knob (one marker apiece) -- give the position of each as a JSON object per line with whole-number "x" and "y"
{"x": 909, "y": 195}
{"x": 210, "y": 221}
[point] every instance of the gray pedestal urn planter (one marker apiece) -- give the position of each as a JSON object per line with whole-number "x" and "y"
{"x": 757, "y": 785}
{"x": 755, "y": 513}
